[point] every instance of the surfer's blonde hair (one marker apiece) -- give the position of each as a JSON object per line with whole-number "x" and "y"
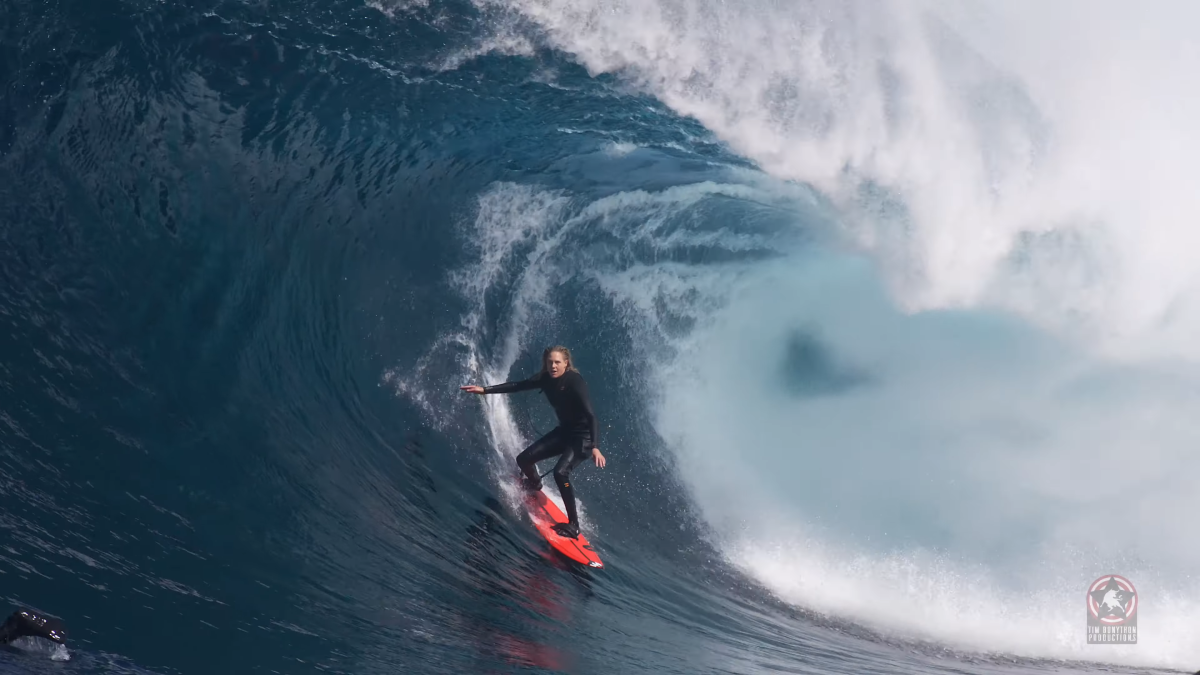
{"x": 561, "y": 350}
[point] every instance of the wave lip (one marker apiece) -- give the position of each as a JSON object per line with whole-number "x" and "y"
{"x": 983, "y": 154}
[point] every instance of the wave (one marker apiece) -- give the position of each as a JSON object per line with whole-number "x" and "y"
{"x": 970, "y": 396}
{"x": 869, "y": 388}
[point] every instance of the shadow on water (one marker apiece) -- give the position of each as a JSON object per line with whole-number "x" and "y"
{"x": 527, "y": 595}
{"x": 812, "y": 368}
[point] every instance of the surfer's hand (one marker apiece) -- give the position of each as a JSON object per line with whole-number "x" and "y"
{"x": 472, "y": 389}
{"x": 598, "y": 457}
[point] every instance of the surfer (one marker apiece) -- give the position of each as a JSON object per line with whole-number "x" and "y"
{"x": 576, "y": 436}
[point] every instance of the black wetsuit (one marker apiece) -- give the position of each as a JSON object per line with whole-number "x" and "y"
{"x": 574, "y": 437}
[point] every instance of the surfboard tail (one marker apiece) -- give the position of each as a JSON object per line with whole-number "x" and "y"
{"x": 546, "y": 515}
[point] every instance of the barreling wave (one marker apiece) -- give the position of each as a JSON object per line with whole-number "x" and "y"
{"x": 966, "y": 389}
{"x": 887, "y": 329}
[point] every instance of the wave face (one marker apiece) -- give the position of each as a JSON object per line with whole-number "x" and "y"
{"x": 886, "y": 309}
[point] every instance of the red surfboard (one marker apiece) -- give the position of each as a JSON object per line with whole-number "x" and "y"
{"x": 545, "y": 515}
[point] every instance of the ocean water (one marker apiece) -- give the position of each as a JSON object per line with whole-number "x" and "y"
{"x": 888, "y": 311}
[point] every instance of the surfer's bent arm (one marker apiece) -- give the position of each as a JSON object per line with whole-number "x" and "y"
{"x": 509, "y": 387}
{"x": 585, "y": 402}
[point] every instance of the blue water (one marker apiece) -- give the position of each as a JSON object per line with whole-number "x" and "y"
{"x": 248, "y": 252}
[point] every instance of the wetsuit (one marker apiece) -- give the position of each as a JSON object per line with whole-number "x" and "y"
{"x": 574, "y": 437}
{"x": 28, "y": 622}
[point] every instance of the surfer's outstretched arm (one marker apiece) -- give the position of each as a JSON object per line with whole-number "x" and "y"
{"x": 510, "y": 387}
{"x": 506, "y": 388}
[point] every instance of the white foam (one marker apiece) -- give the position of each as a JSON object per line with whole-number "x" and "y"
{"x": 619, "y": 148}
{"x": 919, "y": 594}
{"x": 992, "y": 126}
{"x": 962, "y": 448}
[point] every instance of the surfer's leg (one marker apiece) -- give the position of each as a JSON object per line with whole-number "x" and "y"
{"x": 543, "y": 448}
{"x": 562, "y": 474}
